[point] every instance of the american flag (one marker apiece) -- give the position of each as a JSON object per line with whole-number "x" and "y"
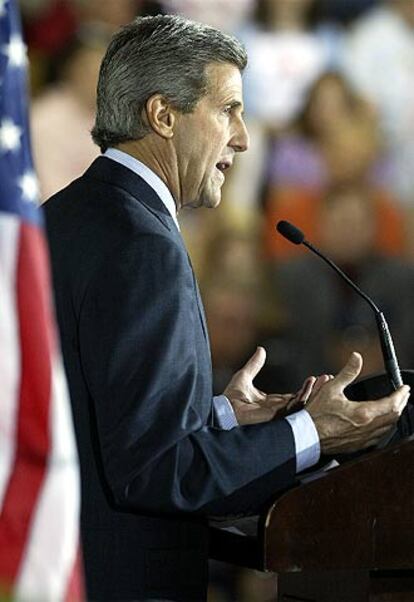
{"x": 39, "y": 481}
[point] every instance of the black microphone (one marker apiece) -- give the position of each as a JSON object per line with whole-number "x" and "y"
{"x": 296, "y": 236}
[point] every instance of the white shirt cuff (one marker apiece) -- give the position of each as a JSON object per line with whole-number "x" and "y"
{"x": 308, "y": 449}
{"x": 224, "y": 416}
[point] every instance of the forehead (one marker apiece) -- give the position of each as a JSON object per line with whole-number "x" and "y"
{"x": 224, "y": 82}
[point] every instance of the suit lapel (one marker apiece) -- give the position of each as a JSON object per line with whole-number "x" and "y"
{"x": 200, "y": 305}
{"x": 115, "y": 174}
{"x": 118, "y": 175}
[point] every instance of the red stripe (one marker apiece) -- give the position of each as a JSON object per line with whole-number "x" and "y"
{"x": 75, "y": 590}
{"x": 33, "y": 429}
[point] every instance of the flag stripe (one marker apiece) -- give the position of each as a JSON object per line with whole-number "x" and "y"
{"x": 39, "y": 489}
{"x": 33, "y": 418}
{"x": 50, "y": 552}
{"x": 10, "y": 363}
{"x": 75, "y": 587}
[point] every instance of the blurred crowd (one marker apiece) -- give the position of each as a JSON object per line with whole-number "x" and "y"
{"x": 329, "y": 95}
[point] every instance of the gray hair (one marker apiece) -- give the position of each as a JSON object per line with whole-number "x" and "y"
{"x": 164, "y": 54}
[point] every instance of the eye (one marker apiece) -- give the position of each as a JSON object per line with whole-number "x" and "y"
{"x": 228, "y": 109}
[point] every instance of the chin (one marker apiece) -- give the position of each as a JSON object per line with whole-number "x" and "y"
{"x": 211, "y": 201}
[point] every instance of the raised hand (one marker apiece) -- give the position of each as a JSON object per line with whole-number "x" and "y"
{"x": 346, "y": 426}
{"x": 252, "y": 406}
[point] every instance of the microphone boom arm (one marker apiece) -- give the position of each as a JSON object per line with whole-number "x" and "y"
{"x": 387, "y": 345}
{"x": 343, "y": 275}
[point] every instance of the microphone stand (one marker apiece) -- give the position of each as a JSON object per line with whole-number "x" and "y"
{"x": 387, "y": 346}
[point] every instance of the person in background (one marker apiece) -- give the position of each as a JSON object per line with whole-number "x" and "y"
{"x": 275, "y": 88}
{"x": 62, "y": 116}
{"x": 227, "y": 16}
{"x": 379, "y": 60}
{"x": 50, "y": 25}
{"x": 297, "y": 156}
{"x": 232, "y": 298}
{"x": 336, "y": 142}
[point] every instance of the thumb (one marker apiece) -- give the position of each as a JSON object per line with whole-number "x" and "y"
{"x": 350, "y": 371}
{"x": 253, "y": 365}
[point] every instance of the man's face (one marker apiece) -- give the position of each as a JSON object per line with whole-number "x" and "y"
{"x": 207, "y": 139}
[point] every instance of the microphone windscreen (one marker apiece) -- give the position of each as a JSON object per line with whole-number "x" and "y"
{"x": 290, "y": 232}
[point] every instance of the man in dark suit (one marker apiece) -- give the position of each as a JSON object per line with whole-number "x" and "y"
{"x": 158, "y": 454}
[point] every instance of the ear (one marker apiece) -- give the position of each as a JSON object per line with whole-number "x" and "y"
{"x": 160, "y": 115}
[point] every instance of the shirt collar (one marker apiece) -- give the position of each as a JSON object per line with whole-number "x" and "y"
{"x": 146, "y": 174}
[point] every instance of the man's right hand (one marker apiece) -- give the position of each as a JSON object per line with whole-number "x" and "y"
{"x": 347, "y": 426}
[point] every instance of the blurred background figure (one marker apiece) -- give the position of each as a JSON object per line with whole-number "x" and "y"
{"x": 67, "y": 40}
{"x": 63, "y": 115}
{"x": 379, "y": 60}
{"x": 50, "y": 25}
{"x": 286, "y": 54}
{"x": 228, "y": 16}
{"x": 334, "y": 141}
{"x": 237, "y": 304}
{"x": 298, "y": 156}
{"x": 232, "y": 299}
{"x": 114, "y": 13}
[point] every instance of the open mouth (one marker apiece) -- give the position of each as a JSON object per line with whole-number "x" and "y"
{"x": 223, "y": 166}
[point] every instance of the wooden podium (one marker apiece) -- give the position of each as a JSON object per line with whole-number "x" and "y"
{"x": 345, "y": 536}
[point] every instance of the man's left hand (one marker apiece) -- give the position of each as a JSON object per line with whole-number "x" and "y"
{"x": 252, "y": 406}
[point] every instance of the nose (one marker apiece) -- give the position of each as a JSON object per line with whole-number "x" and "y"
{"x": 240, "y": 140}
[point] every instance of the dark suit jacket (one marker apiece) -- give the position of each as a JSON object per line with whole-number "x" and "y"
{"x": 137, "y": 357}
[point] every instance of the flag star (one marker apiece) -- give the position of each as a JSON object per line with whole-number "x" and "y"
{"x": 16, "y": 50}
{"x": 9, "y": 135}
{"x": 30, "y": 187}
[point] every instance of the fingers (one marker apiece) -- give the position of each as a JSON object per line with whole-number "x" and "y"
{"x": 371, "y": 415}
{"x": 358, "y": 425}
{"x": 383, "y": 411}
{"x": 253, "y": 366}
{"x": 306, "y": 389}
{"x": 395, "y": 402}
{"x": 349, "y": 372}
{"x": 401, "y": 397}
{"x": 309, "y": 388}
{"x": 320, "y": 381}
